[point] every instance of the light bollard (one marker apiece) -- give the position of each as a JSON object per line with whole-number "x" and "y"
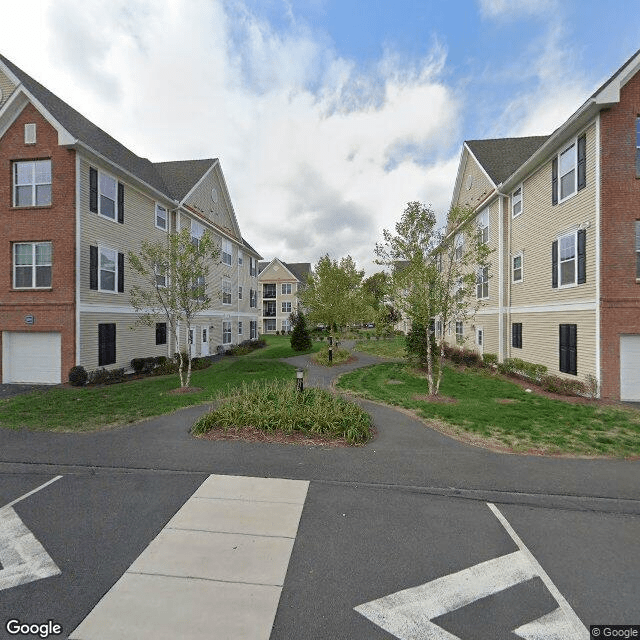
{"x": 300, "y": 380}
{"x": 330, "y": 354}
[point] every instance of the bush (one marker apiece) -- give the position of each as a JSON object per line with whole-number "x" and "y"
{"x": 279, "y": 406}
{"x": 144, "y": 365}
{"x": 563, "y": 386}
{"x": 106, "y": 376}
{"x": 489, "y": 359}
{"x": 78, "y": 376}
{"x": 521, "y": 368}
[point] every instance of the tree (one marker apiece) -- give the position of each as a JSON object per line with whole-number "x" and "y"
{"x": 433, "y": 276}
{"x": 333, "y": 293}
{"x": 173, "y": 277}
{"x": 300, "y": 337}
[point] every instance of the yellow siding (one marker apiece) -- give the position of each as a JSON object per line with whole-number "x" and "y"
{"x": 481, "y": 185}
{"x": 6, "y": 88}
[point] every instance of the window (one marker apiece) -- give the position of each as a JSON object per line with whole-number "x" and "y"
{"x": 32, "y": 183}
{"x": 240, "y": 257}
{"x": 30, "y": 133}
{"x": 253, "y": 298}
{"x": 286, "y": 289}
{"x": 32, "y": 263}
{"x": 286, "y": 307}
{"x": 161, "y": 276}
{"x": 161, "y": 217}
{"x": 253, "y": 267}
{"x": 239, "y": 293}
{"x": 106, "y": 196}
{"x": 270, "y": 325}
{"x": 108, "y": 269}
{"x": 240, "y": 327}
{"x": 286, "y": 325}
{"x": 569, "y": 168}
{"x": 483, "y": 226}
{"x": 106, "y": 344}
{"x": 199, "y": 288}
{"x": 268, "y": 290}
{"x": 569, "y": 348}
{"x": 638, "y": 249}
{"x": 269, "y": 309}
{"x": 569, "y": 259}
{"x": 516, "y": 335}
{"x": 226, "y": 333}
{"x": 518, "y": 273}
{"x": 459, "y": 332}
{"x": 197, "y": 231}
{"x": 227, "y": 250}
{"x": 161, "y": 333}
{"x": 482, "y": 283}
{"x": 459, "y": 244}
{"x": 253, "y": 329}
{"x": 226, "y": 291}
{"x": 480, "y": 337}
{"x": 638, "y": 147}
{"x": 516, "y": 202}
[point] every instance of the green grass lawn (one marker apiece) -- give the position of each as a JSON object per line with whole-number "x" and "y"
{"x": 502, "y": 413}
{"x": 385, "y": 348}
{"x": 90, "y": 408}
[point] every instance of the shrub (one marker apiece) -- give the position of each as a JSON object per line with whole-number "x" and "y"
{"x": 523, "y": 369}
{"x": 489, "y": 359}
{"x": 591, "y": 385}
{"x": 106, "y": 376}
{"x": 563, "y": 386}
{"x": 277, "y": 333}
{"x": 339, "y": 356}
{"x": 143, "y": 365}
{"x": 78, "y": 376}
{"x": 279, "y": 406}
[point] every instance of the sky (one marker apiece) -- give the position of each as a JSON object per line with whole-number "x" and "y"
{"x": 328, "y": 116}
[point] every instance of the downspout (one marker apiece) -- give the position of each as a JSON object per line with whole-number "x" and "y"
{"x": 78, "y": 254}
{"x": 500, "y": 278}
{"x": 598, "y": 248}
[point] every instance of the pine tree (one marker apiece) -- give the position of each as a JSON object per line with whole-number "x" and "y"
{"x": 300, "y": 337}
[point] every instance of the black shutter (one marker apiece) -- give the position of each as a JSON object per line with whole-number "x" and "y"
{"x": 572, "y": 350}
{"x": 93, "y": 268}
{"x": 93, "y": 190}
{"x": 121, "y": 273}
{"x": 582, "y": 256}
{"x": 106, "y": 344}
{"x": 120, "y": 203}
{"x": 554, "y": 264}
{"x": 161, "y": 333}
{"x": 582, "y": 162}
{"x": 563, "y": 348}
{"x": 554, "y": 181}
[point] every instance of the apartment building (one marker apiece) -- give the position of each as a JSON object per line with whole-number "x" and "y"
{"x": 279, "y": 285}
{"x": 73, "y": 202}
{"x": 562, "y": 216}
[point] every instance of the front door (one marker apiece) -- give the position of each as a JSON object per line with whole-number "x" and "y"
{"x": 204, "y": 347}
{"x": 192, "y": 346}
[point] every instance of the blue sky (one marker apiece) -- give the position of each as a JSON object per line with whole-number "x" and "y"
{"x": 328, "y": 115}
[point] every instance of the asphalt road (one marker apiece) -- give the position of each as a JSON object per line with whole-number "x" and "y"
{"x": 410, "y": 508}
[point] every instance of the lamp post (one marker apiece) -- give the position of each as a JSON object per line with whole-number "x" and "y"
{"x": 300, "y": 380}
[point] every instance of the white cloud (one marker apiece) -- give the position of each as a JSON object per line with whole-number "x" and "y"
{"x": 514, "y": 9}
{"x": 319, "y": 156}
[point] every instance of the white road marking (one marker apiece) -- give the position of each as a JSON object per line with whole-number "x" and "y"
{"x": 408, "y": 614}
{"x": 22, "y": 557}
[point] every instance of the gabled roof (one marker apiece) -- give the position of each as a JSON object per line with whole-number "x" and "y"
{"x": 181, "y": 175}
{"x": 502, "y": 156}
{"x": 299, "y": 270}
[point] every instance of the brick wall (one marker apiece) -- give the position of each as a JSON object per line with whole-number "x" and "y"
{"x": 620, "y": 197}
{"x": 54, "y": 309}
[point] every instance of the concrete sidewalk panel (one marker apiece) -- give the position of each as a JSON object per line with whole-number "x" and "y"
{"x": 229, "y": 557}
{"x": 253, "y": 489}
{"x": 167, "y": 608}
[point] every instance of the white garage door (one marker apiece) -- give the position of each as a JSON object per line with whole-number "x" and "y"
{"x": 630, "y": 368}
{"x": 31, "y": 357}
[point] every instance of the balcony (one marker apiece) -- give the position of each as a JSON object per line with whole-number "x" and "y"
{"x": 268, "y": 291}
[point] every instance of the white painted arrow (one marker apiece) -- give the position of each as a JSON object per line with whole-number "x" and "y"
{"x": 408, "y": 614}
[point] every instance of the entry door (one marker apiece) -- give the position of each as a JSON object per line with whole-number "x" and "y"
{"x": 204, "y": 347}
{"x": 192, "y": 346}
{"x": 480, "y": 339}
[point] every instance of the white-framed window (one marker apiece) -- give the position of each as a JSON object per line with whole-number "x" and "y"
{"x": 286, "y": 307}
{"x": 226, "y": 332}
{"x": 286, "y": 288}
{"x": 239, "y": 293}
{"x": 107, "y": 269}
{"x": 240, "y": 257}
{"x": 30, "y": 133}
{"x": 197, "y": 231}
{"x": 482, "y": 221}
{"x": 568, "y": 259}
{"x": 253, "y": 329}
{"x": 459, "y": 246}
{"x": 480, "y": 338}
{"x": 637, "y": 249}
{"x": 516, "y": 202}
{"x": 200, "y": 287}
{"x": 253, "y": 267}
{"x": 270, "y": 325}
{"x": 32, "y": 264}
{"x": 482, "y": 283}
{"x": 286, "y": 325}
{"x": 32, "y": 183}
{"x": 161, "y": 217}
{"x": 518, "y": 268}
{"x": 227, "y": 252}
{"x": 459, "y": 331}
{"x": 567, "y": 171}
{"x": 161, "y": 276}
{"x": 253, "y": 298}
{"x": 226, "y": 291}
{"x": 107, "y": 196}
{"x": 239, "y": 327}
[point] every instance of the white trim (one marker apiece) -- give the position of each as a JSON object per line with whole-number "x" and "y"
{"x": 569, "y": 285}
{"x": 78, "y": 260}
{"x": 597, "y": 240}
{"x": 155, "y": 217}
{"x": 519, "y": 254}
{"x": 562, "y": 150}
{"x": 501, "y": 200}
{"x": 115, "y": 202}
{"x": 493, "y": 184}
{"x": 115, "y": 283}
{"x": 521, "y": 188}
{"x": 556, "y": 308}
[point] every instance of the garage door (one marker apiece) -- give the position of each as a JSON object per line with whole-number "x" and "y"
{"x": 630, "y": 368}
{"x": 31, "y": 357}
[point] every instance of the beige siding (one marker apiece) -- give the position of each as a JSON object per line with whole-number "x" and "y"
{"x": 277, "y": 274}
{"x": 6, "y": 88}
{"x": 481, "y": 186}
